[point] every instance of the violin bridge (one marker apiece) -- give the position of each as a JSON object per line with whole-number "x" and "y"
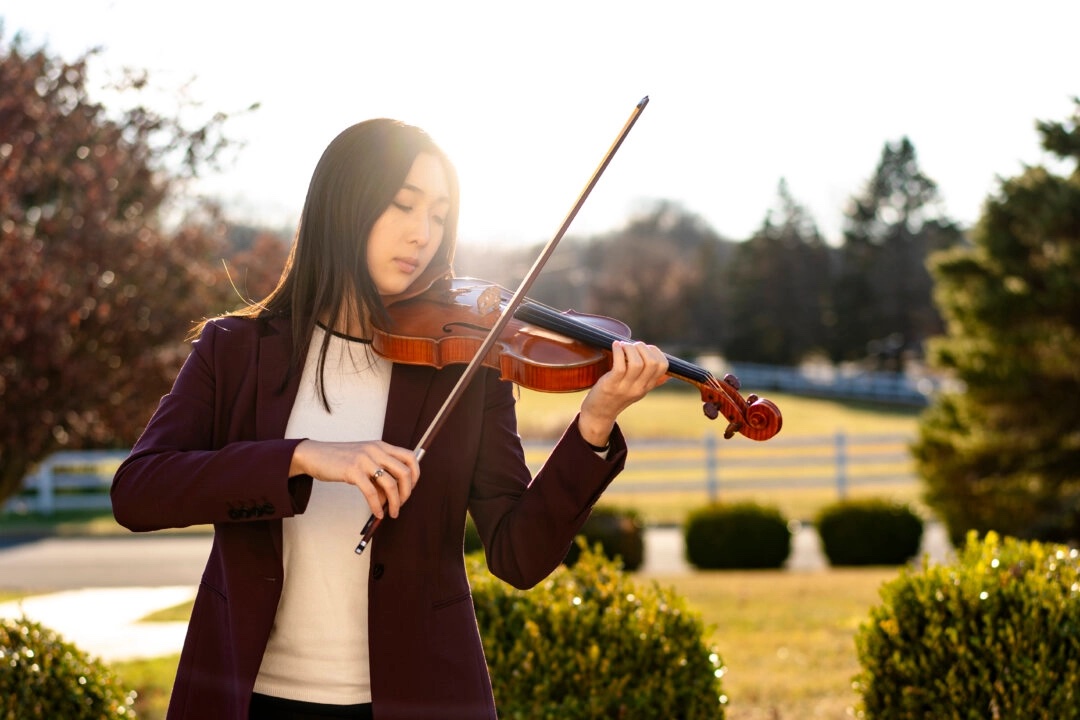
{"x": 488, "y": 301}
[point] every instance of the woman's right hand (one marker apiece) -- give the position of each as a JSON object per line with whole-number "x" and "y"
{"x": 386, "y": 474}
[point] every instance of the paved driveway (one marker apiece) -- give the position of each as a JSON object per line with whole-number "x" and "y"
{"x": 120, "y": 561}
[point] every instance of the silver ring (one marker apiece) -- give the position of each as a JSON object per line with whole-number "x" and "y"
{"x": 378, "y": 474}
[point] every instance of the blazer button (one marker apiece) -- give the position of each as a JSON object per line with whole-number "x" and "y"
{"x": 377, "y": 570}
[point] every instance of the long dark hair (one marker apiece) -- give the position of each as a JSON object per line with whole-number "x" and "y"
{"x": 355, "y": 180}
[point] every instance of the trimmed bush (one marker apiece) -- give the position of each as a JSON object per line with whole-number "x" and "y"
{"x": 620, "y": 533}
{"x": 43, "y": 677}
{"x": 589, "y": 643}
{"x": 738, "y": 536}
{"x": 869, "y": 532}
{"x": 994, "y": 635}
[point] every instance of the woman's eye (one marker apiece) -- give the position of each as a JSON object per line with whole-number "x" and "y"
{"x": 439, "y": 220}
{"x": 401, "y": 206}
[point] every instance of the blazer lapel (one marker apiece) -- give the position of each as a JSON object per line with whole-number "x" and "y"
{"x": 409, "y": 389}
{"x": 273, "y": 402}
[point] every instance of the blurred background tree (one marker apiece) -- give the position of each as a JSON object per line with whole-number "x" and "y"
{"x": 96, "y": 292}
{"x": 649, "y": 275}
{"x": 782, "y": 296}
{"x": 779, "y": 288}
{"x": 882, "y": 300}
{"x": 1004, "y": 454}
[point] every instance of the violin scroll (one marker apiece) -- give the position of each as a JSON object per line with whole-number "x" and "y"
{"x": 763, "y": 419}
{"x": 755, "y": 418}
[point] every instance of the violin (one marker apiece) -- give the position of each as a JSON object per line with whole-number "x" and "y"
{"x": 542, "y": 348}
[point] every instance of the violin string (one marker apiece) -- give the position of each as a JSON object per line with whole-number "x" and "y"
{"x": 551, "y": 319}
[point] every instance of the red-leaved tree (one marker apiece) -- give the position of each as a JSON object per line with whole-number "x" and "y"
{"x": 96, "y": 293}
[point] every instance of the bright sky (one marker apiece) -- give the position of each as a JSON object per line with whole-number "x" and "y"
{"x": 527, "y": 98}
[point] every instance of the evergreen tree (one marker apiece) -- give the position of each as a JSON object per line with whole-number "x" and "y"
{"x": 778, "y": 284}
{"x": 883, "y": 289}
{"x": 1004, "y": 454}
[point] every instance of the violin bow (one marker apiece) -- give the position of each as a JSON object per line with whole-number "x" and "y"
{"x": 508, "y": 312}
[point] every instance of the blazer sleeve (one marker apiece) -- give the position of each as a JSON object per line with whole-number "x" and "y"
{"x": 526, "y": 526}
{"x": 190, "y": 466}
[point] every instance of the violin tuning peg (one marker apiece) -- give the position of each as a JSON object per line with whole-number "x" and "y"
{"x": 751, "y": 399}
{"x": 711, "y": 410}
{"x": 731, "y": 429}
{"x": 732, "y": 381}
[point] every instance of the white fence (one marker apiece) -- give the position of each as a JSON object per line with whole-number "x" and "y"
{"x": 713, "y": 466}
{"x": 69, "y": 480}
{"x": 709, "y": 465}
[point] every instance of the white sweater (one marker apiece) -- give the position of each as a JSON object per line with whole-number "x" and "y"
{"x": 318, "y": 648}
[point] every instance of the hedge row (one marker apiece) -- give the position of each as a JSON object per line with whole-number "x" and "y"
{"x": 753, "y": 536}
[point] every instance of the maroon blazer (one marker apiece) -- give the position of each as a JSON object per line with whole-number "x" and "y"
{"x": 213, "y": 453}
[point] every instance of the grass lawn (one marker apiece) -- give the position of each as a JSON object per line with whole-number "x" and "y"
{"x": 60, "y": 523}
{"x": 674, "y": 411}
{"x": 152, "y": 679}
{"x": 7, "y": 595}
{"x": 786, "y": 638}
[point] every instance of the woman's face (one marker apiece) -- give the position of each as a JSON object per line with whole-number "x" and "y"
{"x": 407, "y": 235}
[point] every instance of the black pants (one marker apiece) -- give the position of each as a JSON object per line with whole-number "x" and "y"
{"x": 264, "y": 707}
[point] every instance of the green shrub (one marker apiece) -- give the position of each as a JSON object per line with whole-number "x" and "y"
{"x": 41, "y": 676}
{"x": 620, "y": 533}
{"x": 869, "y": 532}
{"x": 739, "y": 536}
{"x": 589, "y": 643}
{"x": 994, "y": 635}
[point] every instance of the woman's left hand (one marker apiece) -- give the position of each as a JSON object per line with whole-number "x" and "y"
{"x": 636, "y": 368}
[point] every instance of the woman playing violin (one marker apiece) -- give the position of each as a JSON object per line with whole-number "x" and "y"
{"x": 286, "y": 431}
